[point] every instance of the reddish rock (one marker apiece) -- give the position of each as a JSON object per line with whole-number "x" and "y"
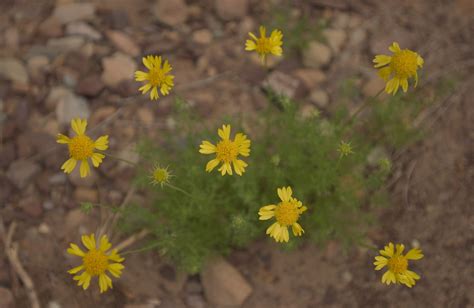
{"x": 31, "y": 206}
{"x": 231, "y": 9}
{"x": 90, "y": 86}
{"x": 123, "y": 42}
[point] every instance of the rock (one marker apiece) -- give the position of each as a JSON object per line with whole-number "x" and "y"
{"x": 66, "y": 44}
{"x": 341, "y": 21}
{"x": 43, "y": 228}
{"x": 146, "y": 116}
{"x": 117, "y": 68}
{"x": 84, "y": 194}
{"x": 231, "y": 9}
{"x": 172, "y": 13}
{"x": 69, "y": 12}
{"x": 223, "y": 284}
{"x": 90, "y": 86}
{"x": 21, "y": 172}
{"x": 357, "y": 37}
{"x": 376, "y": 154}
{"x": 335, "y": 38}
{"x": 316, "y": 55}
{"x": 55, "y": 95}
{"x": 202, "y": 36}
{"x": 31, "y": 206}
{"x": 74, "y": 219}
{"x": 373, "y": 86}
{"x": 123, "y": 42}
{"x": 311, "y": 78}
{"x": 195, "y": 301}
{"x": 102, "y": 113}
{"x": 309, "y": 111}
{"x": 6, "y": 298}
{"x": 71, "y": 106}
{"x": 37, "y": 64}
{"x": 83, "y": 29}
{"x": 13, "y": 69}
{"x": 129, "y": 153}
{"x": 51, "y": 27}
{"x": 282, "y": 83}
{"x": 89, "y": 181}
{"x": 319, "y": 97}
{"x": 48, "y": 205}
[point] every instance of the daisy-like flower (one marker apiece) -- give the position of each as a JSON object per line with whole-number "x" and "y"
{"x": 157, "y": 77}
{"x": 227, "y": 151}
{"x": 286, "y": 213}
{"x": 264, "y": 45}
{"x": 81, "y": 148}
{"x": 344, "y": 149}
{"x": 397, "y": 264}
{"x": 160, "y": 176}
{"x": 398, "y": 68}
{"x": 95, "y": 262}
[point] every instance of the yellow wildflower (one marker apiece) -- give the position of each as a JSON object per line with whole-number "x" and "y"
{"x": 344, "y": 149}
{"x": 399, "y": 67}
{"x": 397, "y": 264}
{"x": 81, "y": 148}
{"x": 157, "y": 76}
{"x": 96, "y": 262}
{"x": 264, "y": 45}
{"x": 160, "y": 176}
{"x": 286, "y": 213}
{"x": 227, "y": 151}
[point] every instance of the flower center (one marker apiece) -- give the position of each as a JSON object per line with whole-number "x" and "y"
{"x": 227, "y": 151}
{"x": 404, "y": 63}
{"x": 398, "y": 264}
{"x": 263, "y": 45}
{"x": 287, "y": 213}
{"x": 160, "y": 175}
{"x": 95, "y": 262}
{"x": 81, "y": 147}
{"x": 156, "y": 76}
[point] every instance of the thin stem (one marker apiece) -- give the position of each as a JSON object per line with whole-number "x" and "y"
{"x": 120, "y": 159}
{"x": 368, "y": 246}
{"x": 139, "y": 250}
{"x": 366, "y": 103}
{"x": 179, "y": 189}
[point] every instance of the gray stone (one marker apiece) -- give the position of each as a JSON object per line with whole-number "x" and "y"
{"x": 316, "y": 55}
{"x": 172, "y": 13}
{"x": 13, "y": 69}
{"x": 224, "y": 284}
{"x": 117, "y": 68}
{"x": 335, "y": 38}
{"x": 311, "y": 78}
{"x": 69, "y": 12}
{"x": 70, "y": 106}
{"x": 21, "y": 172}
{"x": 83, "y": 29}
{"x": 231, "y": 9}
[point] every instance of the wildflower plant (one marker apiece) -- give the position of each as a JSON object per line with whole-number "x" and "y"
{"x": 158, "y": 76}
{"x": 264, "y": 45}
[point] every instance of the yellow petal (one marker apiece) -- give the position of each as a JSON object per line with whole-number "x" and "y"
{"x": 399, "y": 249}
{"x": 116, "y": 269}
{"x": 97, "y": 159}
{"x": 297, "y": 229}
{"x": 253, "y": 36}
{"x": 262, "y": 31}
{"x": 147, "y": 62}
{"x": 76, "y": 269}
{"x": 404, "y": 84}
{"x": 104, "y": 243}
{"x": 250, "y": 45}
{"x": 141, "y": 76}
{"x": 285, "y": 235}
{"x": 60, "y": 138}
{"x": 381, "y": 60}
{"x": 89, "y": 241}
{"x": 212, "y": 164}
{"x": 114, "y": 256}
{"x": 104, "y": 283}
{"x": 145, "y": 88}
{"x": 387, "y": 251}
{"x": 414, "y": 254}
{"x": 69, "y": 165}
{"x": 154, "y": 93}
{"x": 85, "y": 169}
{"x": 75, "y": 250}
{"x": 395, "y": 47}
{"x": 385, "y": 72}
{"x": 207, "y": 148}
{"x": 224, "y": 133}
{"x": 79, "y": 126}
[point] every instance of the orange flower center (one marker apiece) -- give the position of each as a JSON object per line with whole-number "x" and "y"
{"x": 287, "y": 213}
{"x": 95, "y": 262}
{"x": 227, "y": 151}
{"x": 404, "y": 63}
{"x": 398, "y": 264}
{"x": 81, "y": 147}
{"x": 156, "y": 76}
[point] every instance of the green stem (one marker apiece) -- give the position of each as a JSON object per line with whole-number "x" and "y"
{"x": 368, "y": 246}
{"x": 139, "y": 250}
{"x": 367, "y": 102}
{"x": 179, "y": 189}
{"x": 120, "y": 159}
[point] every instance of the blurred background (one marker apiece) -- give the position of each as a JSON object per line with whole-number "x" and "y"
{"x": 63, "y": 59}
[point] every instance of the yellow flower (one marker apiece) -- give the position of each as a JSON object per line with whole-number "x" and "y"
{"x": 265, "y": 45}
{"x": 397, "y": 264}
{"x": 81, "y": 148}
{"x": 286, "y": 213}
{"x": 157, "y": 77}
{"x": 227, "y": 151}
{"x": 344, "y": 149}
{"x": 96, "y": 262}
{"x": 160, "y": 176}
{"x": 399, "y": 67}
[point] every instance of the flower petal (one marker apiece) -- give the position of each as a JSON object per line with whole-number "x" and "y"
{"x": 224, "y": 133}
{"x": 85, "y": 169}
{"x": 104, "y": 243}
{"x": 414, "y": 254}
{"x": 79, "y": 126}
{"x": 60, "y": 138}
{"x": 76, "y": 269}
{"x": 89, "y": 241}
{"x": 69, "y": 165}
{"x": 102, "y": 143}
{"x": 75, "y": 250}
{"x": 207, "y": 148}
{"x": 212, "y": 164}
{"x": 97, "y": 159}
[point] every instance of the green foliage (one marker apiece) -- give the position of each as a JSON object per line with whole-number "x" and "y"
{"x": 217, "y": 213}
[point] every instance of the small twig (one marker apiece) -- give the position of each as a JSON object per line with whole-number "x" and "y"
{"x": 131, "y": 239}
{"x": 11, "y": 250}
